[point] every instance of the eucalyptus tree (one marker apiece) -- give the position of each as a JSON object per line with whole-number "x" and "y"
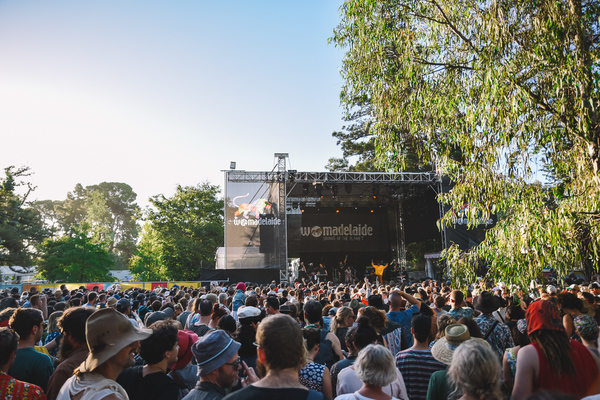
{"x": 493, "y": 92}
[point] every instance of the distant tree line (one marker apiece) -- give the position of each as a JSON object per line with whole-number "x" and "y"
{"x": 101, "y": 227}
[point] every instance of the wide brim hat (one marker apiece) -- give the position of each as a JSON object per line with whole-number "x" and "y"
{"x": 107, "y": 332}
{"x": 455, "y": 335}
{"x": 213, "y": 350}
{"x": 487, "y": 302}
{"x": 187, "y": 339}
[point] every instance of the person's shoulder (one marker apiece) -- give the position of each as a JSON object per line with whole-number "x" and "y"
{"x": 27, "y": 390}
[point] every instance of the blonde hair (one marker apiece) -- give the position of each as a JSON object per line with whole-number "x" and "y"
{"x": 53, "y": 321}
{"x": 341, "y": 315}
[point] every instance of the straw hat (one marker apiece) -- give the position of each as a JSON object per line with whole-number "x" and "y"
{"x": 107, "y": 332}
{"x": 455, "y": 334}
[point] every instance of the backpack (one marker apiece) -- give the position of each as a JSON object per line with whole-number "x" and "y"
{"x": 325, "y": 355}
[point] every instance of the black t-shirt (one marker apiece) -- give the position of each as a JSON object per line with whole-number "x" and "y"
{"x": 255, "y": 393}
{"x": 152, "y": 386}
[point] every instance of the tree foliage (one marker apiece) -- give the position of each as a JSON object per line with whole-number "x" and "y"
{"x": 75, "y": 258}
{"x": 185, "y": 231}
{"x": 110, "y": 211}
{"x": 20, "y": 225}
{"x": 147, "y": 263}
{"x": 491, "y": 91}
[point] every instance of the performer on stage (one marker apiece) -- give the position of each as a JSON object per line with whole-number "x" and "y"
{"x": 379, "y": 271}
{"x": 342, "y": 270}
{"x": 321, "y": 273}
{"x": 302, "y": 273}
{"x": 348, "y": 276}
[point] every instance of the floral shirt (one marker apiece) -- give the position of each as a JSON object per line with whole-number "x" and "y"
{"x": 12, "y": 389}
{"x": 458, "y": 313}
{"x": 311, "y": 376}
{"x": 500, "y": 339}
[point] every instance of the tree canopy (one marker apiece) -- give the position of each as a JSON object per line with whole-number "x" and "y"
{"x": 20, "y": 225}
{"x": 182, "y": 235}
{"x": 75, "y": 258}
{"x": 493, "y": 92}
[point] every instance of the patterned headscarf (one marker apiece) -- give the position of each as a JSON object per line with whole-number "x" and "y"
{"x": 586, "y": 327}
{"x": 522, "y": 325}
{"x": 544, "y": 314}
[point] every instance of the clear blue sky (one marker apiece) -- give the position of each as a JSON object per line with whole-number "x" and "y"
{"x": 160, "y": 93}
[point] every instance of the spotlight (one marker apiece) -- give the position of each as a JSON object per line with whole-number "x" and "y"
{"x": 292, "y": 175}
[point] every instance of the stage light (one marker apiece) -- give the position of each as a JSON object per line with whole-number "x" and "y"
{"x": 302, "y": 210}
{"x": 371, "y": 210}
{"x": 305, "y": 189}
{"x": 335, "y": 189}
{"x": 232, "y": 165}
{"x": 374, "y": 197}
{"x": 337, "y": 211}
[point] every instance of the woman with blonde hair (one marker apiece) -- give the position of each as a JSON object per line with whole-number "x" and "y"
{"x": 344, "y": 319}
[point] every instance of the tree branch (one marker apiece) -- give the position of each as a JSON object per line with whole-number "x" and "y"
{"x": 453, "y": 28}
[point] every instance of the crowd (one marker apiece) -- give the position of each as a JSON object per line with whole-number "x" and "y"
{"x": 401, "y": 340}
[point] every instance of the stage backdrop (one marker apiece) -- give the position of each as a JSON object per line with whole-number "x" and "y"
{"x": 252, "y": 223}
{"x": 346, "y": 231}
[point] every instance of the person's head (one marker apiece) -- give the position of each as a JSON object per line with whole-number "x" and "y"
{"x": 475, "y": 370}
{"x": 72, "y": 324}
{"x": 376, "y": 317}
{"x": 360, "y": 336}
{"x": 216, "y": 354}
{"x": 161, "y": 345}
{"x": 223, "y": 298}
{"x": 545, "y": 328}
{"x": 228, "y": 324}
{"x": 205, "y": 307}
{"x": 586, "y": 327}
{"x": 9, "y": 340}
{"x": 272, "y": 305}
{"x": 456, "y": 298}
{"x": 421, "y": 327}
{"x": 312, "y": 338}
{"x": 53, "y": 321}
{"x": 280, "y": 343}
{"x": 375, "y": 365}
{"x": 35, "y": 301}
{"x": 344, "y": 317}
{"x": 470, "y": 323}
{"x": 313, "y": 311}
{"x": 112, "y": 341}
{"x": 27, "y": 322}
{"x": 519, "y": 332}
{"x": 569, "y": 301}
{"x": 92, "y": 296}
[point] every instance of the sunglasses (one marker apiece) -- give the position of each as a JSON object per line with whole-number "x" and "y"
{"x": 236, "y": 364}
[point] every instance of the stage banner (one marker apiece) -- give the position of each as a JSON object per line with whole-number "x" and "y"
{"x": 252, "y": 224}
{"x": 344, "y": 232}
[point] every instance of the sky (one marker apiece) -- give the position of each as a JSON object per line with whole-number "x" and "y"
{"x": 164, "y": 93}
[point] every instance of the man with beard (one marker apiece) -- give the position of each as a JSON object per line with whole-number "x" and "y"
{"x": 218, "y": 364}
{"x": 112, "y": 341}
{"x": 73, "y": 348}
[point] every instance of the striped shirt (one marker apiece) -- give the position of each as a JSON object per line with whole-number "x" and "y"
{"x": 416, "y": 367}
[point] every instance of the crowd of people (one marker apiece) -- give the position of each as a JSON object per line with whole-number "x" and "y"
{"x": 400, "y": 340}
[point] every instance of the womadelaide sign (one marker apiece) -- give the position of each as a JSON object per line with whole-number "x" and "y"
{"x": 344, "y": 232}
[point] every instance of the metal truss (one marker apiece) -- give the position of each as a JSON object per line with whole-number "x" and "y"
{"x": 339, "y": 177}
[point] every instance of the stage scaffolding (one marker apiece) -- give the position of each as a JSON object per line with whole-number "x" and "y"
{"x": 340, "y": 187}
